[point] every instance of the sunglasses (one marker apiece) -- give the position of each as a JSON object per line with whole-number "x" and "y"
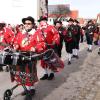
{"x": 27, "y": 23}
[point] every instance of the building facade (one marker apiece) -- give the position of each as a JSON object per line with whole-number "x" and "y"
{"x": 55, "y": 11}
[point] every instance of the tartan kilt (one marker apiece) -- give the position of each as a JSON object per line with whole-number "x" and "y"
{"x": 24, "y": 75}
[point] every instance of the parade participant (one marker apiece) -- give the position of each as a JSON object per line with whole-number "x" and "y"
{"x": 6, "y": 37}
{"x": 96, "y": 34}
{"x": 89, "y": 32}
{"x": 29, "y": 40}
{"x": 61, "y": 30}
{"x": 77, "y": 35}
{"x": 51, "y": 37}
{"x": 99, "y": 39}
{"x": 99, "y": 44}
{"x": 19, "y": 28}
{"x": 69, "y": 40}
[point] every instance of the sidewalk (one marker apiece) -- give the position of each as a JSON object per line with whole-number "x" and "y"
{"x": 98, "y": 94}
{"x": 97, "y": 83}
{"x": 79, "y": 81}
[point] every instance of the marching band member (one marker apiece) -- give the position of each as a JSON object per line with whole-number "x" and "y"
{"x": 51, "y": 37}
{"x": 69, "y": 39}
{"x": 6, "y": 37}
{"x": 29, "y": 40}
{"x": 59, "y": 26}
{"x": 89, "y": 32}
{"x": 77, "y": 35}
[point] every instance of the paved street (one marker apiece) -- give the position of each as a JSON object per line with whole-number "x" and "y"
{"x": 78, "y": 81}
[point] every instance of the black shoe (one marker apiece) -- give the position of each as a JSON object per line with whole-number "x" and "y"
{"x": 89, "y": 50}
{"x": 1, "y": 69}
{"x": 77, "y": 57}
{"x": 32, "y": 92}
{"x": 99, "y": 52}
{"x": 44, "y": 77}
{"x": 51, "y": 76}
{"x": 24, "y": 93}
{"x": 69, "y": 62}
{"x": 7, "y": 69}
{"x": 73, "y": 56}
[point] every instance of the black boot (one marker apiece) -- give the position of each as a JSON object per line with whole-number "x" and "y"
{"x": 51, "y": 76}
{"x": 7, "y": 69}
{"x": 24, "y": 93}
{"x": 1, "y": 69}
{"x": 44, "y": 77}
{"x": 99, "y": 51}
{"x": 89, "y": 50}
{"x": 77, "y": 57}
{"x": 32, "y": 92}
{"x": 69, "y": 62}
{"x": 74, "y": 56}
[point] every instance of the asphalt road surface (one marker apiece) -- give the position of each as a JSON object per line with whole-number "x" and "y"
{"x": 77, "y": 81}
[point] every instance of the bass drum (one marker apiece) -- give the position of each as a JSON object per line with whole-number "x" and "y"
{"x": 53, "y": 61}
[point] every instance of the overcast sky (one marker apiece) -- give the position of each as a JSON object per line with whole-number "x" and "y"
{"x": 87, "y": 8}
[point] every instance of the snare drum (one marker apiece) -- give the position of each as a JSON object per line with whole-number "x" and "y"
{"x": 5, "y": 58}
{"x": 20, "y": 58}
{"x": 15, "y": 58}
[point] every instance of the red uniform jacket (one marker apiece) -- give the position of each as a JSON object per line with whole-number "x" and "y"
{"x": 6, "y": 36}
{"x": 29, "y": 41}
{"x": 50, "y": 34}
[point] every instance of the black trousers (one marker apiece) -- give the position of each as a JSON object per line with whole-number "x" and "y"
{"x": 58, "y": 48}
{"x": 1, "y": 69}
{"x": 89, "y": 39}
{"x": 69, "y": 46}
{"x": 76, "y": 42}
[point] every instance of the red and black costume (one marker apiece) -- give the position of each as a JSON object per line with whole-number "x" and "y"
{"x": 26, "y": 42}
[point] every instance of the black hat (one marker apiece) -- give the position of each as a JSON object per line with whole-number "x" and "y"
{"x": 42, "y": 18}
{"x": 57, "y": 21}
{"x": 90, "y": 21}
{"x": 28, "y": 18}
{"x": 76, "y": 21}
{"x": 2, "y": 24}
{"x": 70, "y": 20}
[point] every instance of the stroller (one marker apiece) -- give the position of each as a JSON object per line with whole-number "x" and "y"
{"x": 14, "y": 59}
